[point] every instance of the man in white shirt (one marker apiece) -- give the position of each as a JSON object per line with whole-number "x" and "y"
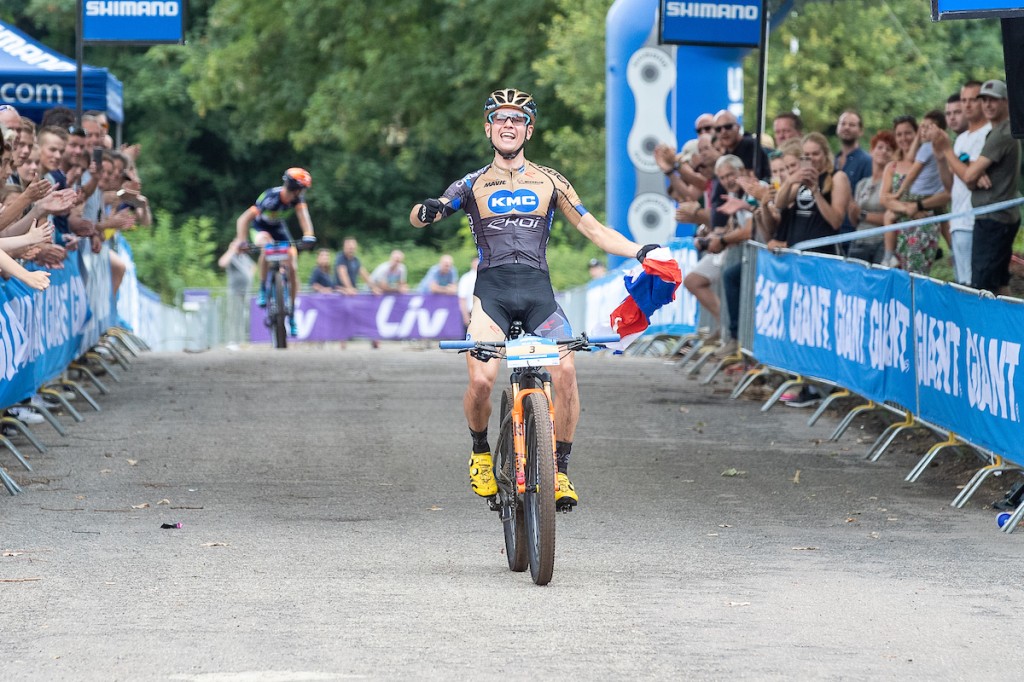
{"x": 969, "y": 143}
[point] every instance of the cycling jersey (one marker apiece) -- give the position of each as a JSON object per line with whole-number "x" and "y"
{"x": 272, "y": 214}
{"x": 510, "y": 212}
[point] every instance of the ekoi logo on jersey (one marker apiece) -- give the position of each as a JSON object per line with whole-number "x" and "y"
{"x": 504, "y": 201}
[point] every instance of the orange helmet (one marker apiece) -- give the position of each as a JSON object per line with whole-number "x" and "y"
{"x": 297, "y": 179}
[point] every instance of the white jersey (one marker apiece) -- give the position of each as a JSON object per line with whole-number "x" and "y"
{"x": 969, "y": 143}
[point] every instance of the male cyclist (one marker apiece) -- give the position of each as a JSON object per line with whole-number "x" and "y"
{"x": 510, "y": 203}
{"x": 269, "y": 216}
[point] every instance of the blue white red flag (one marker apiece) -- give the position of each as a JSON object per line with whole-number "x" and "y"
{"x": 650, "y": 286}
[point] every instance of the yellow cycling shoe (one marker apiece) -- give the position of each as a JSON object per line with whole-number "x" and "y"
{"x": 565, "y": 495}
{"x": 481, "y": 474}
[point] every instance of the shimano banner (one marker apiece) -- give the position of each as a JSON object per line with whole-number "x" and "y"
{"x": 858, "y": 336}
{"x": 726, "y": 23}
{"x": 133, "y": 21}
{"x": 330, "y": 317}
{"x": 969, "y": 352}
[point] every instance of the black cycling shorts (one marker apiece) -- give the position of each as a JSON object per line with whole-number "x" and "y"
{"x": 279, "y": 233}
{"x": 520, "y": 292}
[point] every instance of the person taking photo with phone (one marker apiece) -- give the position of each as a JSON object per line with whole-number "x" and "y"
{"x": 813, "y": 200}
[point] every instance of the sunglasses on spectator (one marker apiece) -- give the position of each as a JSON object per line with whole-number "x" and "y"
{"x": 500, "y": 117}
{"x": 727, "y": 126}
{"x": 77, "y": 132}
{"x": 704, "y": 129}
{"x": 6, "y": 107}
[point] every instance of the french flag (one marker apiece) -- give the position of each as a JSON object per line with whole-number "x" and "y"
{"x": 650, "y": 286}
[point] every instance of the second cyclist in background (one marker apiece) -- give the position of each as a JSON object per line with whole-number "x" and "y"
{"x": 269, "y": 217}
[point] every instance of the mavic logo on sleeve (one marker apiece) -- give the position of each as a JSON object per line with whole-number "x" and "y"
{"x": 504, "y": 201}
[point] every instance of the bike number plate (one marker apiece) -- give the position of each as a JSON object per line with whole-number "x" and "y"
{"x": 531, "y": 351}
{"x": 278, "y": 251}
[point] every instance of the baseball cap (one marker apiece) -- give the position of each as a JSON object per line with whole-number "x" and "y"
{"x": 993, "y": 88}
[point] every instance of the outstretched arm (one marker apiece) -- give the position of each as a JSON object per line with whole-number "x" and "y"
{"x": 607, "y": 239}
{"x": 37, "y": 279}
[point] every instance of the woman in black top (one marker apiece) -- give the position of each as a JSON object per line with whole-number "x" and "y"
{"x": 813, "y": 199}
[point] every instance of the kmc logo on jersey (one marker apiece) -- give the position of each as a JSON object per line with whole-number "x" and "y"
{"x": 504, "y": 201}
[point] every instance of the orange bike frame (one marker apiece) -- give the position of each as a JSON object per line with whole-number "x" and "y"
{"x": 519, "y": 432}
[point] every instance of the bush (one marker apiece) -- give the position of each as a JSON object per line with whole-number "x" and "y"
{"x": 170, "y": 258}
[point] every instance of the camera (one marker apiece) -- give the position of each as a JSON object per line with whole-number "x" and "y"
{"x": 133, "y": 199}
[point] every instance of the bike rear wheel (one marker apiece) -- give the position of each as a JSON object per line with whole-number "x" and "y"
{"x": 278, "y": 330}
{"x": 511, "y": 506}
{"x": 539, "y": 500}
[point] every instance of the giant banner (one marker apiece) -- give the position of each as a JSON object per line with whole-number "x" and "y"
{"x": 836, "y": 321}
{"x": 333, "y": 317}
{"x": 40, "y": 332}
{"x": 969, "y": 350}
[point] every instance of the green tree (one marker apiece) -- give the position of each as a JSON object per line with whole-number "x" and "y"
{"x": 169, "y": 257}
{"x": 882, "y": 57}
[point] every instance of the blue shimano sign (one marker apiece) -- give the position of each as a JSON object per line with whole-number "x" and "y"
{"x": 133, "y": 21}
{"x": 966, "y": 9}
{"x": 504, "y": 201}
{"x": 728, "y": 23}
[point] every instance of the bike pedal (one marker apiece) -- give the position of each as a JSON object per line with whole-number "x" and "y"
{"x": 565, "y": 507}
{"x": 494, "y": 503}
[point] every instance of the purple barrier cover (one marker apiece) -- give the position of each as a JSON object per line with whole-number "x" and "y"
{"x": 335, "y": 317}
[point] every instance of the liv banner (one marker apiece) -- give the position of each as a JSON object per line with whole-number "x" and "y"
{"x": 969, "y": 354}
{"x": 133, "y": 21}
{"x": 333, "y": 317}
{"x": 836, "y": 321}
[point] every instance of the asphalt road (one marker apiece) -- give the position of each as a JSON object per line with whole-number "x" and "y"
{"x": 329, "y": 533}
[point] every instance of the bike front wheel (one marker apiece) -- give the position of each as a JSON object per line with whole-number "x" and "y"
{"x": 510, "y": 504}
{"x": 278, "y": 329}
{"x": 539, "y": 500}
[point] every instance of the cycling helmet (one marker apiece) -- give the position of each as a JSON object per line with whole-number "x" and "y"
{"x": 510, "y": 97}
{"x": 297, "y": 179}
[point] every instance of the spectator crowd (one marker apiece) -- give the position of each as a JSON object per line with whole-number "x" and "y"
{"x": 796, "y": 187}
{"x": 64, "y": 190}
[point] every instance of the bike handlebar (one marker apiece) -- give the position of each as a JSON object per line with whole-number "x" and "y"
{"x": 580, "y": 342}
{"x": 299, "y": 244}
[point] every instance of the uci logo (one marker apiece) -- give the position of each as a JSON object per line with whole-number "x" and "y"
{"x": 504, "y": 201}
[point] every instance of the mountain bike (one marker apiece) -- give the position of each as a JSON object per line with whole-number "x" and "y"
{"x": 279, "y": 301}
{"x": 525, "y": 466}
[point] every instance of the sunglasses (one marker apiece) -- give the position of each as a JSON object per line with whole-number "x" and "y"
{"x": 77, "y": 132}
{"x": 500, "y": 117}
{"x": 727, "y": 126}
{"x": 704, "y": 129}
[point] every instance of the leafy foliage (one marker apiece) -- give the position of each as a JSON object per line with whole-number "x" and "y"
{"x": 382, "y": 102}
{"x": 169, "y": 258}
{"x": 883, "y": 58}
